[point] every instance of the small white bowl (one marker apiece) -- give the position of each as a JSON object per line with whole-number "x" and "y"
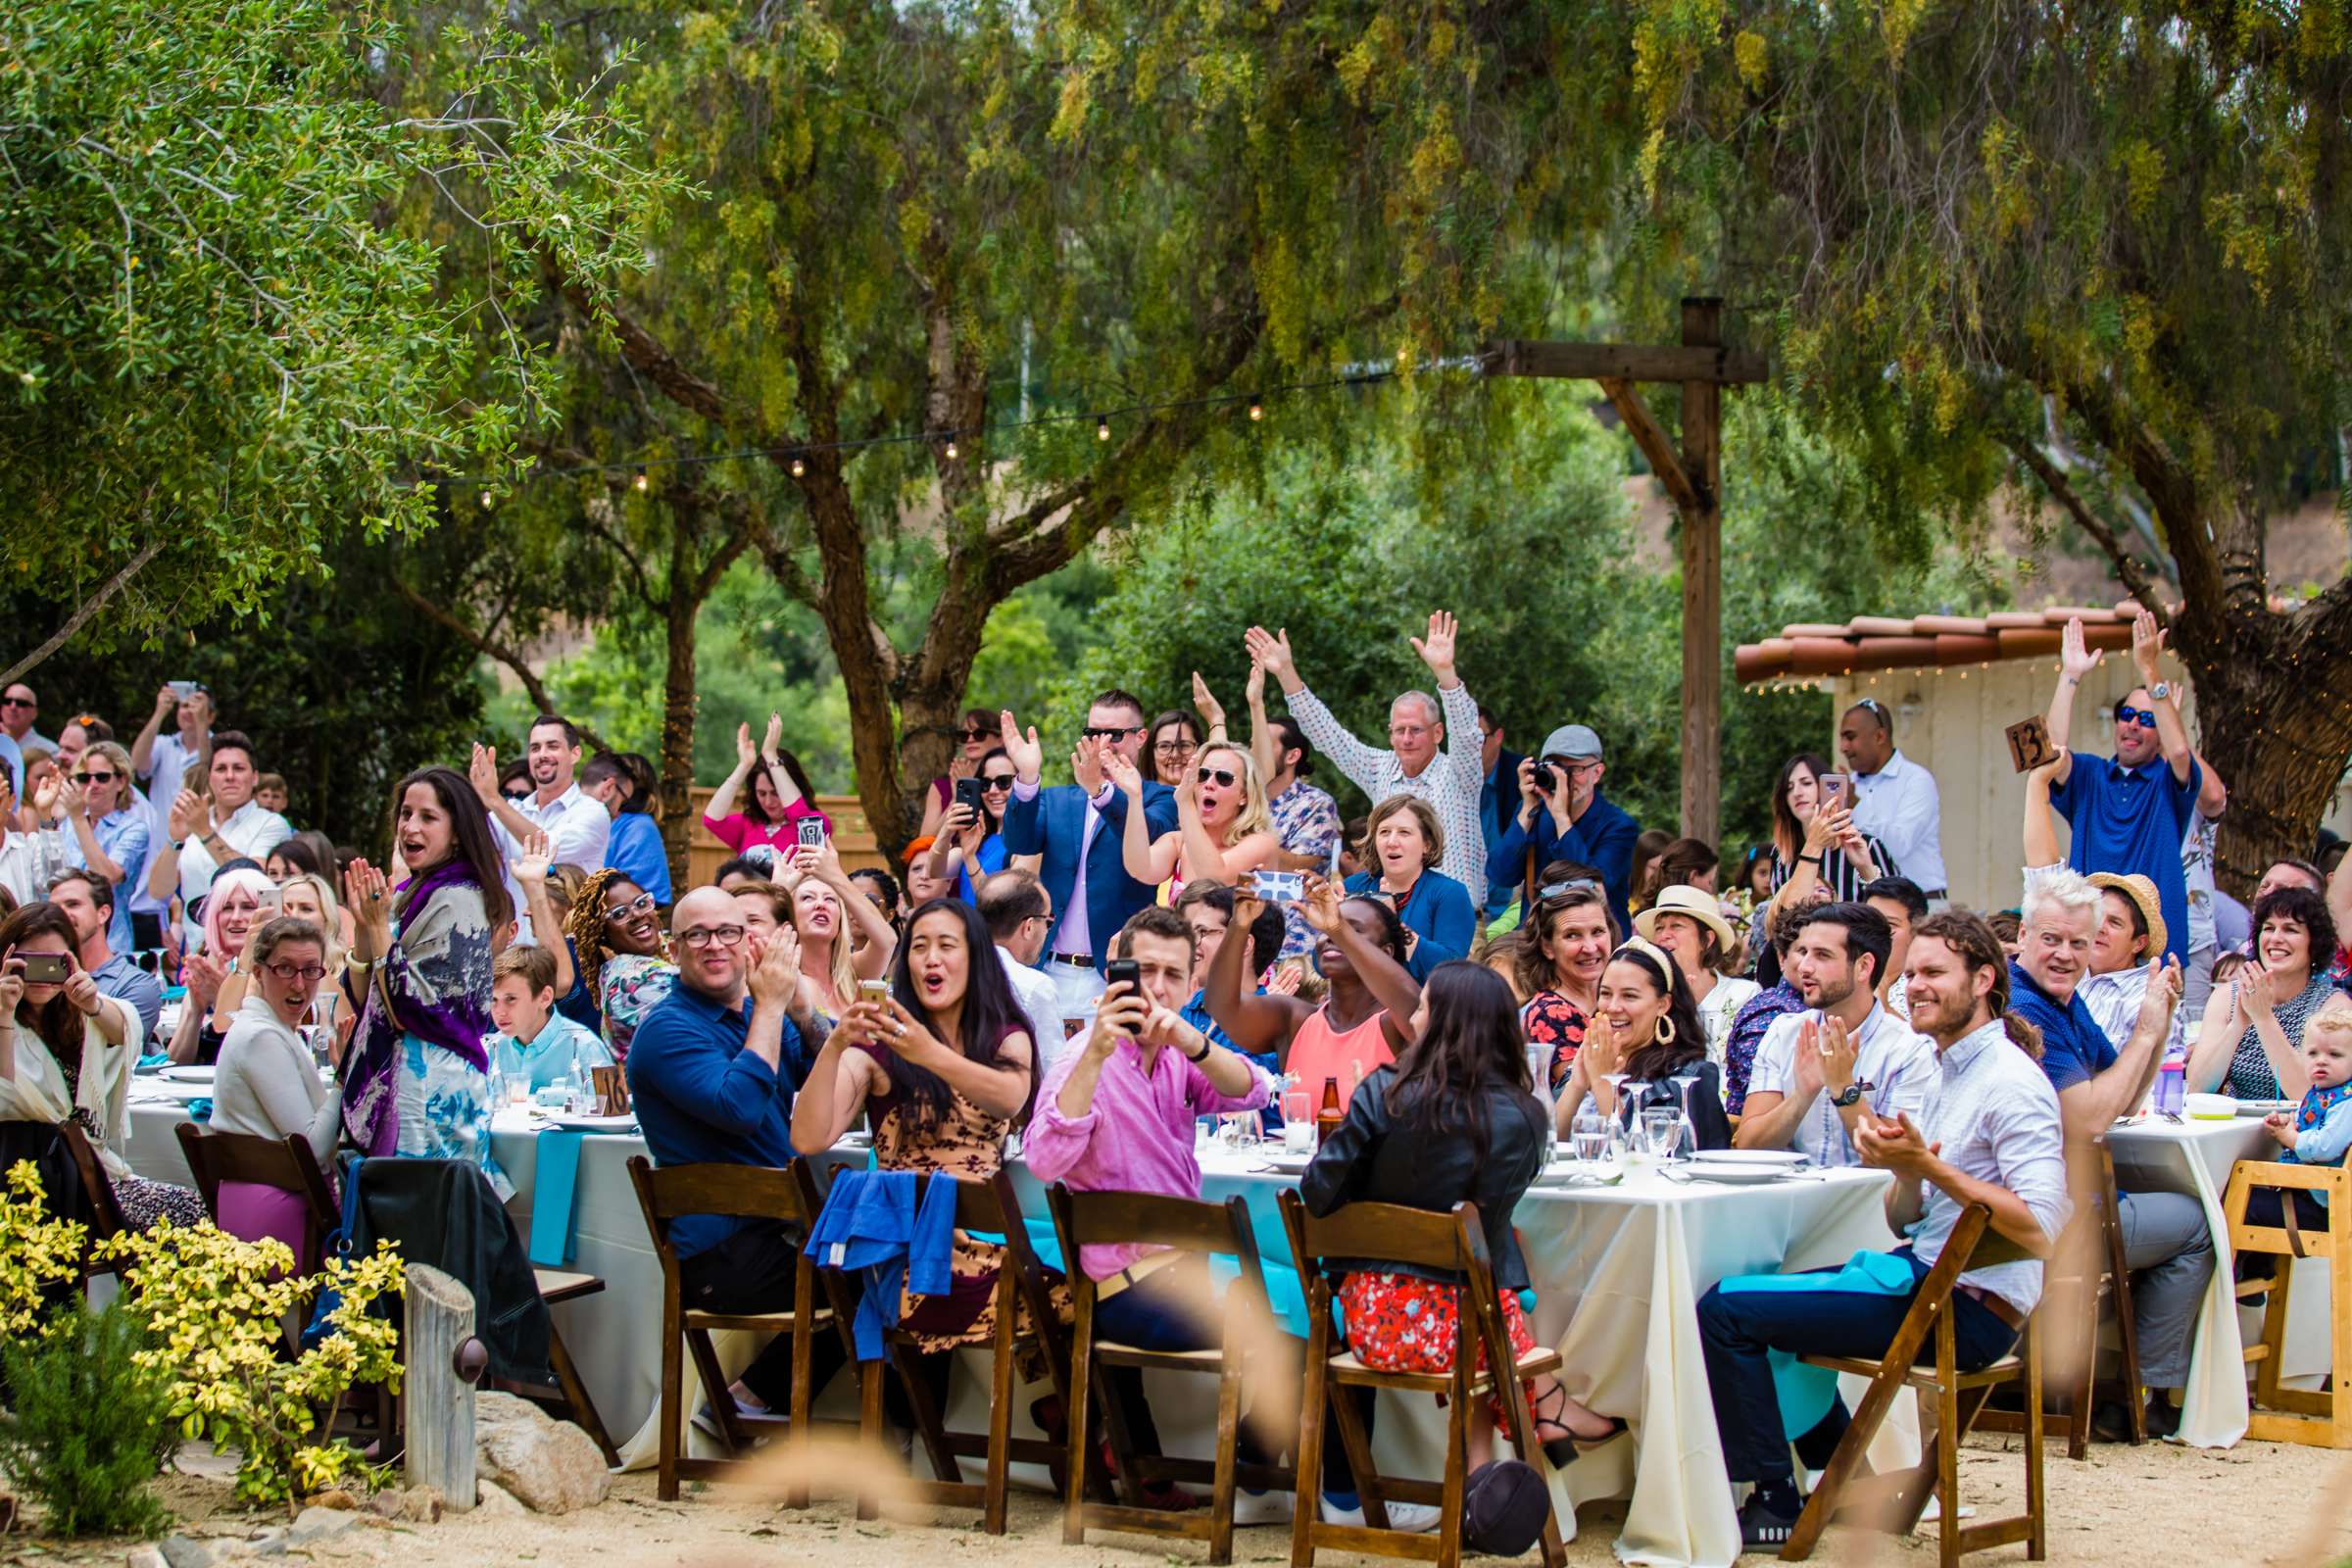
{"x": 2209, "y": 1107}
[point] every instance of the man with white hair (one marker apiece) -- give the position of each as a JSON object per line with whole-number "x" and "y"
{"x": 1420, "y": 726}
{"x": 2165, "y": 1244}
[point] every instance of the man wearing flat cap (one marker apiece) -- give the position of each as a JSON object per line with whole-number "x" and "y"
{"x": 1565, "y": 816}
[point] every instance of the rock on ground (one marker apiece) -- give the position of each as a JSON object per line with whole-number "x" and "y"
{"x": 549, "y": 1466}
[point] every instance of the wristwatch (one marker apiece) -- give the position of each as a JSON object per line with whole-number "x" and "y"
{"x": 1206, "y": 1046}
{"x": 1849, "y": 1096}
{"x": 2162, "y": 690}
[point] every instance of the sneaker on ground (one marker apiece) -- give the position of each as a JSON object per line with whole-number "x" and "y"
{"x": 1761, "y": 1529}
{"x": 1413, "y": 1518}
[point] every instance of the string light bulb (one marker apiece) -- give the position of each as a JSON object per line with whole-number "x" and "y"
{"x": 798, "y": 467}
{"x": 950, "y": 449}
{"x": 1102, "y": 426}
{"x": 642, "y": 481}
{"x": 1257, "y": 408}
{"x": 485, "y": 501}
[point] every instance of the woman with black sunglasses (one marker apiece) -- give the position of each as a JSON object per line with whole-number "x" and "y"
{"x": 978, "y": 732}
{"x": 1223, "y": 830}
{"x": 109, "y": 829}
{"x": 971, "y": 845}
{"x": 624, "y": 958}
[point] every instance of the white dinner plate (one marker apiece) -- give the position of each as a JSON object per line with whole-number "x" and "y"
{"x": 579, "y": 1122}
{"x": 187, "y": 1075}
{"x": 1783, "y": 1158}
{"x": 161, "y": 1089}
{"x": 1288, "y": 1161}
{"x": 1738, "y": 1175}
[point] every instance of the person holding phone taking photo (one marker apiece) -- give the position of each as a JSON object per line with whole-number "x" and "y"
{"x": 1819, "y": 855}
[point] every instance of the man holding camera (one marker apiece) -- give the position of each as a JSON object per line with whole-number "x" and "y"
{"x": 1563, "y": 817}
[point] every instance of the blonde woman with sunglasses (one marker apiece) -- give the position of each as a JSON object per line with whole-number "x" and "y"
{"x": 1223, "y": 831}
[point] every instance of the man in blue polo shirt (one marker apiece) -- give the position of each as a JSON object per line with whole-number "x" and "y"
{"x": 2165, "y": 1244}
{"x": 2129, "y": 813}
{"x": 712, "y": 1083}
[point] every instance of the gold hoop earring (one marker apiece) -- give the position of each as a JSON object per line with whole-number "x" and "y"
{"x": 1664, "y": 1034}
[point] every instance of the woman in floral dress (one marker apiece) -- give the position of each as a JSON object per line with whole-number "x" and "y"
{"x": 947, "y": 1070}
{"x": 417, "y": 1079}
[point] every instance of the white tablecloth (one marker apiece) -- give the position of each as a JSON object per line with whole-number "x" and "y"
{"x": 2195, "y": 1157}
{"x": 1618, "y": 1274}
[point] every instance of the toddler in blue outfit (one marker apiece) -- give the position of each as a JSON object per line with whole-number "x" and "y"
{"x": 2317, "y": 1132}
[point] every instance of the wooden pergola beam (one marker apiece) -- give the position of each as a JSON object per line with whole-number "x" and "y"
{"x": 1627, "y": 362}
{"x": 1650, "y": 436}
{"x": 1692, "y": 475}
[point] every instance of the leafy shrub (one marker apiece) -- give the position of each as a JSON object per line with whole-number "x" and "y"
{"x": 90, "y": 1426}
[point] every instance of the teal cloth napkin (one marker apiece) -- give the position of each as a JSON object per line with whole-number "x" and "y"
{"x": 553, "y": 1188}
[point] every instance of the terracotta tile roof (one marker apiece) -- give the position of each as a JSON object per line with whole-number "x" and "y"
{"x": 1809, "y": 650}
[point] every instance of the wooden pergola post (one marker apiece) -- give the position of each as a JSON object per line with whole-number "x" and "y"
{"x": 1692, "y": 475}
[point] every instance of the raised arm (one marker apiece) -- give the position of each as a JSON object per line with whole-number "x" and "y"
{"x": 722, "y": 799}
{"x": 142, "y": 749}
{"x": 788, "y": 794}
{"x": 1351, "y": 757}
{"x": 1265, "y": 746}
{"x": 1255, "y": 1023}
{"x": 1391, "y": 985}
{"x": 531, "y": 870}
{"x": 1148, "y": 860}
{"x": 2041, "y": 823}
{"x": 2147, "y": 643}
{"x": 482, "y": 772}
{"x": 2075, "y": 662}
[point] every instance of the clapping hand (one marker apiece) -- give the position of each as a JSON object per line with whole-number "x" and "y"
{"x": 1437, "y": 649}
{"x": 203, "y": 974}
{"x": 2257, "y": 992}
{"x": 776, "y": 973}
{"x": 1027, "y": 756}
{"x": 44, "y": 798}
{"x": 745, "y": 753}
{"x": 1254, "y": 689}
{"x": 73, "y": 798}
{"x": 369, "y": 897}
{"x": 2162, "y": 994}
{"x": 1603, "y": 1052}
{"x": 1272, "y": 651}
{"x": 2147, "y": 643}
{"x": 2074, "y": 660}
{"x": 1124, "y": 776}
{"x": 1895, "y": 1145}
{"x": 1212, "y": 712}
{"x": 187, "y": 816}
{"x": 774, "y": 738}
{"x": 530, "y": 867}
{"x": 481, "y": 770}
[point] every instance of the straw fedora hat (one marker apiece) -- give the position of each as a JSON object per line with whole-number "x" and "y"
{"x": 1697, "y": 904}
{"x": 2141, "y": 892}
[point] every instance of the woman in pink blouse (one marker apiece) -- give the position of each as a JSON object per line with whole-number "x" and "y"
{"x": 780, "y": 797}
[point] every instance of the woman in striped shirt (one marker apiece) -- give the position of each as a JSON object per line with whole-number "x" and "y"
{"x": 1815, "y": 844}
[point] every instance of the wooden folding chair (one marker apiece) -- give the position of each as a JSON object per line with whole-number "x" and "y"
{"x": 992, "y": 1207}
{"x": 2321, "y": 1419}
{"x": 740, "y": 1191}
{"x": 1383, "y": 1233}
{"x": 1896, "y": 1498}
{"x": 284, "y": 1163}
{"x": 2087, "y": 1272}
{"x": 1095, "y": 1219}
{"x": 106, "y": 1210}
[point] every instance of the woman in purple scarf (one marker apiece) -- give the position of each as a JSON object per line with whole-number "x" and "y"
{"x": 417, "y": 1079}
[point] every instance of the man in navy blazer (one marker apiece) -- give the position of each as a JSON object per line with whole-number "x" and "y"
{"x": 1076, "y": 829}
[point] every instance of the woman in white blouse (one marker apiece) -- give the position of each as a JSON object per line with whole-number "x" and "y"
{"x": 268, "y": 1085}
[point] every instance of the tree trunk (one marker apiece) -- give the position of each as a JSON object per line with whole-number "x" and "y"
{"x": 675, "y": 807}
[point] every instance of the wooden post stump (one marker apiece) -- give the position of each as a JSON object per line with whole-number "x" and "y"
{"x": 444, "y": 1362}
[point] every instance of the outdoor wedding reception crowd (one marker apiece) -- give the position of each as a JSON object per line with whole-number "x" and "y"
{"x": 1150, "y": 1134}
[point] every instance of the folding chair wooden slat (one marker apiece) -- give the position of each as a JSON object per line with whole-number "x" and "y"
{"x": 1895, "y": 1500}
{"x": 2280, "y": 1414}
{"x": 740, "y": 1191}
{"x": 1205, "y": 1230}
{"x": 1454, "y": 1241}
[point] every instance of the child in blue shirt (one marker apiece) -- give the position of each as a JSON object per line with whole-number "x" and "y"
{"x": 2316, "y": 1133}
{"x": 537, "y": 1046}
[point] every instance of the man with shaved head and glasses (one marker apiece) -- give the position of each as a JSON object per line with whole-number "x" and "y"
{"x": 2129, "y": 813}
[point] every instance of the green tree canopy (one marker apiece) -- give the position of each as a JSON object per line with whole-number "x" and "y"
{"x": 216, "y": 350}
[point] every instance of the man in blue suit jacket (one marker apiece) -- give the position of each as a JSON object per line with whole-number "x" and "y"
{"x": 1076, "y": 829}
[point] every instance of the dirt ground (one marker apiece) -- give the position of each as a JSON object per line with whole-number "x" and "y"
{"x": 2259, "y": 1503}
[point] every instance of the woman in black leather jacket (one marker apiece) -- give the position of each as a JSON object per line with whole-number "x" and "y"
{"x": 1454, "y": 1119}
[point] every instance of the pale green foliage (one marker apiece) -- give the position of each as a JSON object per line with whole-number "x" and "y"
{"x": 212, "y": 333}
{"x": 214, "y": 1306}
{"x": 37, "y": 1251}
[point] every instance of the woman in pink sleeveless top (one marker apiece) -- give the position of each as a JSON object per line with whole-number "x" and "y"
{"x": 1363, "y": 1022}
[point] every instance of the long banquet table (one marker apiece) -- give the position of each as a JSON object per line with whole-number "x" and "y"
{"x": 1618, "y": 1273}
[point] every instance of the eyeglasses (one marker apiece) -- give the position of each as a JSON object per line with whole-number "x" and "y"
{"x": 2137, "y": 716}
{"x": 1114, "y": 733}
{"x": 642, "y": 903}
{"x": 95, "y": 778}
{"x": 997, "y": 781}
{"x": 1224, "y": 778}
{"x": 1174, "y": 747}
{"x": 296, "y": 971}
{"x": 701, "y": 936}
